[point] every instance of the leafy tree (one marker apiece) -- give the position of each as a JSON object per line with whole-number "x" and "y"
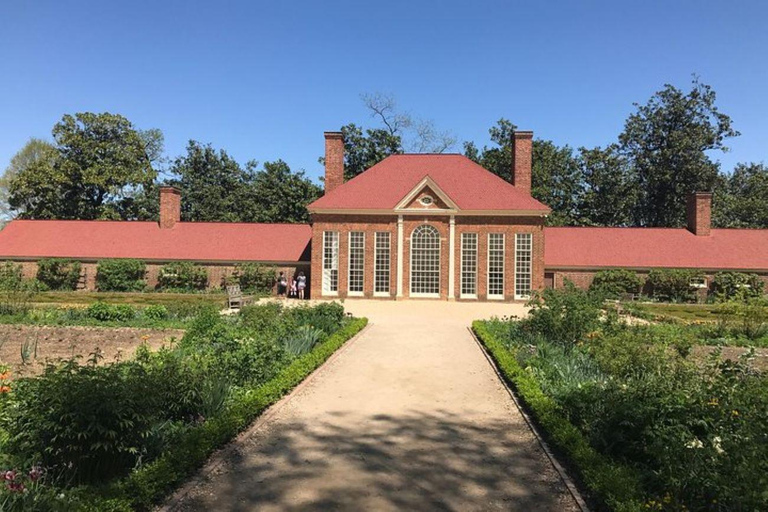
{"x": 742, "y": 201}
{"x": 36, "y": 152}
{"x": 280, "y": 195}
{"x": 214, "y": 187}
{"x": 667, "y": 140}
{"x": 609, "y": 188}
{"x": 101, "y": 159}
{"x": 556, "y": 179}
{"x": 364, "y": 149}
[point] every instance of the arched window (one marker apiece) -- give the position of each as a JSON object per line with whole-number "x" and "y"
{"x": 425, "y": 262}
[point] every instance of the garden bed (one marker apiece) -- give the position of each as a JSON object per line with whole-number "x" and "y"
{"x": 646, "y": 416}
{"x": 52, "y": 343}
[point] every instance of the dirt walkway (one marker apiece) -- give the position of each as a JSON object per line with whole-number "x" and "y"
{"x": 410, "y": 416}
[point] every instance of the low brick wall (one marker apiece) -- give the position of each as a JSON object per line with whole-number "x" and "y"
{"x": 217, "y": 273}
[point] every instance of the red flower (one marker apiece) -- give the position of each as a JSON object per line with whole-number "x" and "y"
{"x": 9, "y": 475}
{"x": 35, "y": 473}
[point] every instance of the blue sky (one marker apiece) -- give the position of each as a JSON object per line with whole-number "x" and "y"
{"x": 263, "y": 80}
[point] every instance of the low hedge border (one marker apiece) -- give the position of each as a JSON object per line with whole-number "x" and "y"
{"x": 610, "y": 485}
{"x": 145, "y": 487}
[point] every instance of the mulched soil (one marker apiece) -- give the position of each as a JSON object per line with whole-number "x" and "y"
{"x": 760, "y": 362}
{"x": 60, "y": 342}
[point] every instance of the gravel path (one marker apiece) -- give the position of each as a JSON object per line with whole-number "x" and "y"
{"x": 409, "y": 416}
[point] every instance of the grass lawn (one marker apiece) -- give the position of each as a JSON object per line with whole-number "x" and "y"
{"x": 135, "y": 298}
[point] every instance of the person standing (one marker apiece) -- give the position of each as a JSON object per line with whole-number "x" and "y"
{"x": 282, "y": 284}
{"x": 301, "y": 284}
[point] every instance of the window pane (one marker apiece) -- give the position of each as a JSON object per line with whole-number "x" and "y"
{"x": 496, "y": 264}
{"x": 356, "y": 260}
{"x": 330, "y": 261}
{"x": 382, "y": 262}
{"x": 469, "y": 264}
{"x": 523, "y": 243}
{"x": 425, "y": 261}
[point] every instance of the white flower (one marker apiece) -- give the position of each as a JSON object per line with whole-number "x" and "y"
{"x": 694, "y": 443}
{"x": 716, "y": 444}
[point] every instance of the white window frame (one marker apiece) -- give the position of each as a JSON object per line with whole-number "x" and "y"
{"x": 465, "y": 251}
{"x": 699, "y": 282}
{"x": 361, "y": 269}
{"x": 330, "y": 262}
{"x": 439, "y": 262}
{"x": 520, "y": 237}
{"x": 495, "y": 296}
{"x": 379, "y": 258}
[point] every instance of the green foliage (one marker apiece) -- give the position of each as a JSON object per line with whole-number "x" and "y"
{"x": 728, "y": 286}
{"x": 10, "y": 276}
{"x": 58, "y": 274}
{"x": 688, "y": 429}
{"x": 302, "y": 340}
{"x": 748, "y": 319}
{"x": 99, "y": 159}
{"x": 143, "y": 488}
{"x": 36, "y": 153}
{"x": 668, "y": 140}
{"x": 615, "y": 283}
{"x": 155, "y": 312}
{"x": 182, "y": 276}
{"x": 609, "y": 187}
{"x": 280, "y": 195}
{"x": 254, "y": 277}
{"x": 327, "y": 316}
{"x": 673, "y": 284}
{"x": 121, "y": 275}
{"x": 742, "y": 200}
{"x": 363, "y": 150}
{"x": 104, "y": 312}
{"x": 565, "y": 315}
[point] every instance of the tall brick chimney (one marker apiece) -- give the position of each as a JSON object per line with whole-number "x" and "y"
{"x": 334, "y": 160}
{"x": 522, "y": 150}
{"x": 699, "y": 212}
{"x": 170, "y": 207}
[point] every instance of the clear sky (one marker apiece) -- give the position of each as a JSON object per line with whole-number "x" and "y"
{"x": 263, "y": 80}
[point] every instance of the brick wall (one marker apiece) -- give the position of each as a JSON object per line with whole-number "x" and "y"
{"x": 370, "y": 224}
{"x": 216, "y": 272}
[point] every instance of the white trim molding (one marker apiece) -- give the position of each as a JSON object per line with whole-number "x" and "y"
{"x": 426, "y": 182}
{"x": 452, "y": 257}
{"x": 400, "y": 255}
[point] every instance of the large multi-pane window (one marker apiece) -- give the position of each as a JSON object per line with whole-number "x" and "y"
{"x": 330, "y": 261}
{"x": 356, "y": 261}
{"x": 381, "y": 263}
{"x": 469, "y": 264}
{"x": 496, "y": 265}
{"x": 425, "y": 262}
{"x": 523, "y": 249}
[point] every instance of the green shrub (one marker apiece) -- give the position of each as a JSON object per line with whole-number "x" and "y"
{"x": 673, "y": 284}
{"x": 58, "y": 274}
{"x": 253, "y": 277}
{"x": 615, "y": 283}
{"x": 564, "y": 315}
{"x": 122, "y": 275}
{"x": 326, "y": 316}
{"x": 10, "y": 276}
{"x": 302, "y": 340}
{"x": 748, "y": 319}
{"x": 104, "y": 312}
{"x": 155, "y": 312}
{"x": 728, "y": 286}
{"x": 182, "y": 276}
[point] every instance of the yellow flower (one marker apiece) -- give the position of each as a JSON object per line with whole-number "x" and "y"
{"x": 714, "y": 402}
{"x": 734, "y": 412}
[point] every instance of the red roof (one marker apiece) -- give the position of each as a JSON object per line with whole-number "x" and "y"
{"x": 745, "y": 249}
{"x": 469, "y": 185}
{"x": 198, "y": 241}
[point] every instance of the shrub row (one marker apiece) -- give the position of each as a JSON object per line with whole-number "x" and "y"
{"x": 609, "y": 483}
{"x": 675, "y": 284}
{"x": 129, "y": 275}
{"x": 146, "y": 486}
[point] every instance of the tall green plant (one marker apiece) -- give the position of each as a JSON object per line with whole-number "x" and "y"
{"x": 614, "y": 283}
{"x": 182, "y": 275}
{"x": 673, "y": 284}
{"x": 564, "y": 315}
{"x": 120, "y": 275}
{"x": 727, "y": 286}
{"x": 58, "y": 274}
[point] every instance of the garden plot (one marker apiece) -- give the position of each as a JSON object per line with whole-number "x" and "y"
{"x": 38, "y": 344}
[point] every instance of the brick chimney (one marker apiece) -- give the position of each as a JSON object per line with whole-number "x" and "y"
{"x": 334, "y": 160}
{"x": 699, "y": 212}
{"x": 170, "y": 207}
{"x": 522, "y": 150}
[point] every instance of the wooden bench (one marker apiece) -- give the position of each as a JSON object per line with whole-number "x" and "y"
{"x": 235, "y": 297}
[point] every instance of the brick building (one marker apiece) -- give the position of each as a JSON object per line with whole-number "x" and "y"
{"x": 434, "y": 226}
{"x": 427, "y": 226}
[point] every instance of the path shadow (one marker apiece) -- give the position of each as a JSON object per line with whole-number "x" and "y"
{"x": 412, "y": 461}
